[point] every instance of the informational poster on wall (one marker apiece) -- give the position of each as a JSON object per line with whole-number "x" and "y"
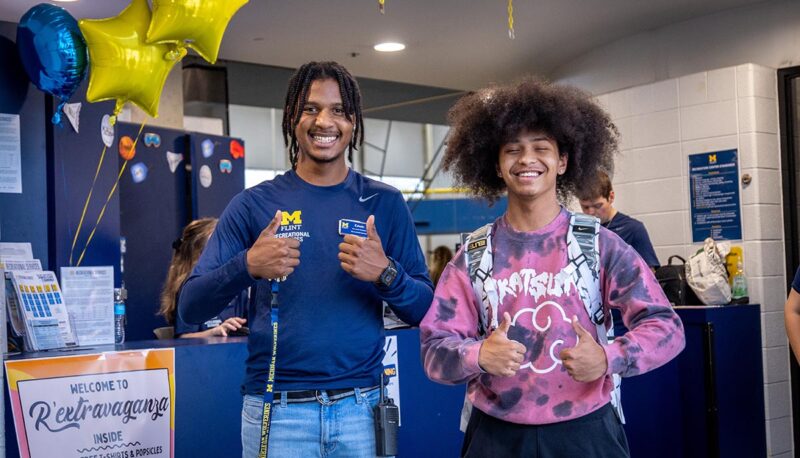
{"x": 714, "y": 190}
{"x": 108, "y": 405}
{"x": 10, "y": 157}
{"x": 391, "y": 372}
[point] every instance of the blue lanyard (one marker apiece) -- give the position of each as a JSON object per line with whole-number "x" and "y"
{"x": 269, "y": 394}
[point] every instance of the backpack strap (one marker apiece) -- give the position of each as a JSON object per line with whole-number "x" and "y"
{"x": 583, "y": 256}
{"x": 479, "y": 261}
{"x": 583, "y": 265}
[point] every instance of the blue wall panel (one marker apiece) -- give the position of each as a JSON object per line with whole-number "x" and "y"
{"x": 211, "y": 151}
{"x": 23, "y": 217}
{"x": 74, "y": 158}
{"x": 454, "y": 216}
{"x": 153, "y": 213}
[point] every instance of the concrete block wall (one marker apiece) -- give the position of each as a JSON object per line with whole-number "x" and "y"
{"x": 660, "y": 125}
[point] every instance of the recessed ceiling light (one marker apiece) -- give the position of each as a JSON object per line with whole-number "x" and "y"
{"x": 389, "y": 47}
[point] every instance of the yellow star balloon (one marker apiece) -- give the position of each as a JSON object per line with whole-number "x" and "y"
{"x": 198, "y": 24}
{"x": 123, "y": 66}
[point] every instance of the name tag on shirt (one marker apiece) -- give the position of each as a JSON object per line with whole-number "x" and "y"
{"x": 352, "y": 227}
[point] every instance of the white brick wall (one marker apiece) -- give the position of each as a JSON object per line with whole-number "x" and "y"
{"x": 661, "y": 124}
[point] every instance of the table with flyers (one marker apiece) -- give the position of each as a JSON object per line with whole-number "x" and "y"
{"x": 206, "y": 396}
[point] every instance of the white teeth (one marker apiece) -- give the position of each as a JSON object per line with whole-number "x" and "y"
{"x": 529, "y": 174}
{"x": 325, "y": 139}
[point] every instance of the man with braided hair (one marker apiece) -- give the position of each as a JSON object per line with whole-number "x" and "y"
{"x": 331, "y": 337}
{"x": 510, "y": 312}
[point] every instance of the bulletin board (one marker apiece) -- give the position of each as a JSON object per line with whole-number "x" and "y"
{"x": 714, "y": 191}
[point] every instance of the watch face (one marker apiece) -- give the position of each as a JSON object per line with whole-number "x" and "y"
{"x": 387, "y": 277}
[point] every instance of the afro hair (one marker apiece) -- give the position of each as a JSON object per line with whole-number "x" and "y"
{"x": 482, "y": 121}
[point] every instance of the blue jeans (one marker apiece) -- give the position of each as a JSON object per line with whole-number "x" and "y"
{"x": 321, "y": 428}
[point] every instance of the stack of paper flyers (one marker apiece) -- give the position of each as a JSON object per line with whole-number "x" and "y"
{"x": 12, "y": 302}
{"x": 40, "y": 304}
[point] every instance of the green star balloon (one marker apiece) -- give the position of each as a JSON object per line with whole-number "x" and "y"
{"x": 196, "y": 24}
{"x": 122, "y": 65}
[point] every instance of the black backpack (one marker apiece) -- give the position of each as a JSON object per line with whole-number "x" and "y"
{"x": 672, "y": 279}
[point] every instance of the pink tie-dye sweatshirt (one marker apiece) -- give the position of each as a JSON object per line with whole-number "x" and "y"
{"x": 541, "y": 304}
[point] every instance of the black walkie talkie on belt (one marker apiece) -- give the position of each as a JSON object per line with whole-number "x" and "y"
{"x": 387, "y": 419}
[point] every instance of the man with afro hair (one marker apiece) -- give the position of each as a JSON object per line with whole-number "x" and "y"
{"x": 539, "y": 380}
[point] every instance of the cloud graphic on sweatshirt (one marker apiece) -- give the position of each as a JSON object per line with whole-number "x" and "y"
{"x": 534, "y": 312}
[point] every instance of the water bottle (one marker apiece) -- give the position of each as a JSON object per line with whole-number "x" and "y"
{"x": 739, "y": 287}
{"x": 120, "y": 294}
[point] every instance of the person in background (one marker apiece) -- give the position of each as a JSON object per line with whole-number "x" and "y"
{"x": 186, "y": 251}
{"x": 345, "y": 244}
{"x": 439, "y": 258}
{"x": 597, "y": 199}
{"x": 791, "y": 311}
{"x": 538, "y": 374}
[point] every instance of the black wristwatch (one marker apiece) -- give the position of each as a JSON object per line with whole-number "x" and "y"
{"x": 388, "y": 275}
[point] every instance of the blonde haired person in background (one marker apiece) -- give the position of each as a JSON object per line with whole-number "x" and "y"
{"x": 186, "y": 252}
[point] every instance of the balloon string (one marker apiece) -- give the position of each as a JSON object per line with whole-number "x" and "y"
{"x": 113, "y": 119}
{"x": 86, "y": 204}
{"x": 110, "y": 194}
{"x": 511, "y": 19}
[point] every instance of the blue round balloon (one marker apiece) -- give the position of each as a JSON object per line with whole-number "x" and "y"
{"x": 52, "y": 51}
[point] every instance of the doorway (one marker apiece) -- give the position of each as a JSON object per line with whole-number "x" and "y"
{"x": 789, "y": 108}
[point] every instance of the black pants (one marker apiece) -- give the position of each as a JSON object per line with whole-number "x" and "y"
{"x": 597, "y": 435}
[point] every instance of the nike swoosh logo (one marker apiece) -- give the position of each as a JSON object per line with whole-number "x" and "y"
{"x": 364, "y": 199}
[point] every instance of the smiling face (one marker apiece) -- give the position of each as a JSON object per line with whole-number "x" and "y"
{"x": 323, "y": 131}
{"x": 529, "y": 165}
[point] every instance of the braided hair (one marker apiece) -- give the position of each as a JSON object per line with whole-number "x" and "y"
{"x": 297, "y": 96}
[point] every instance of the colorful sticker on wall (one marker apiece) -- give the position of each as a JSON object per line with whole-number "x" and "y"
{"x": 126, "y": 149}
{"x": 207, "y": 147}
{"x": 126, "y": 399}
{"x": 174, "y": 159}
{"x": 107, "y": 131}
{"x": 225, "y": 166}
{"x": 73, "y": 113}
{"x": 237, "y": 150}
{"x": 205, "y": 176}
{"x": 152, "y": 139}
{"x": 139, "y": 172}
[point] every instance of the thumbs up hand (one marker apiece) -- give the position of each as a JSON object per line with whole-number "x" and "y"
{"x": 586, "y": 361}
{"x": 271, "y": 257}
{"x": 500, "y": 355}
{"x": 363, "y": 258}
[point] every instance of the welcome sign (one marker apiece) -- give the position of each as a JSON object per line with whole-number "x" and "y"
{"x": 108, "y": 405}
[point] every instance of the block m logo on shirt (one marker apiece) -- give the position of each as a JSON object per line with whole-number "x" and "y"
{"x": 291, "y": 218}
